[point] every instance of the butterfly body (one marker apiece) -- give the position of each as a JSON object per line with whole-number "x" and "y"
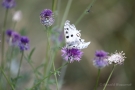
{"x": 73, "y": 37}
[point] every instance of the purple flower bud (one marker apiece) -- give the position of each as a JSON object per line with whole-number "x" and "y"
{"x": 72, "y": 54}
{"x": 46, "y": 13}
{"x": 100, "y": 59}
{"x": 24, "y": 43}
{"x": 13, "y": 37}
{"x": 8, "y": 3}
{"x": 9, "y": 32}
{"x": 46, "y": 17}
{"x": 101, "y": 54}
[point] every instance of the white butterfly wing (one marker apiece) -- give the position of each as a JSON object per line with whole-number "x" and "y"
{"x": 73, "y": 37}
{"x": 71, "y": 34}
{"x": 83, "y": 45}
{"x": 78, "y": 45}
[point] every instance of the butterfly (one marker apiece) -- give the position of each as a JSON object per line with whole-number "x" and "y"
{"x": 73, "y": 37}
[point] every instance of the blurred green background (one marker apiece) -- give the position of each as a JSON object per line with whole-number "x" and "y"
{"x": 110, "y": 25}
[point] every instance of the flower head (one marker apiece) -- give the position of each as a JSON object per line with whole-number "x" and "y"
{"x": 17, "y": 16}
{"x": 13, "y": 37}
{"x": 117, "y": 58}
{"x": 9, "y": 32}
{"x": 100, "y": 59}
{"x": 8, "y": 3}
{"x": 46, "y": 17}
{"x": 72, "y": 54}
{"x": 24, "y": 43}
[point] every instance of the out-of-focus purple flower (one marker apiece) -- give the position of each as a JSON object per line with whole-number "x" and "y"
{"x": 8, "y": 3}
{"x": 24, "y": 43}
{"x": 13, "y": 37}
{"x": 46, "y": 17}
{"x": 61, "y": 37}
{"x": 9, "y": 32}
{"x": 72, "y": 54}
{"x": 58, "y": 36}
{"x": 100, "y": 59}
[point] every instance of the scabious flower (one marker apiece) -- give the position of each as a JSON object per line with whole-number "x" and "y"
{"x": 17, "y": 16}
{"x": 117, "y": 58}
{"x": 24, "y": 43}
{"x": 46, "y": 17}
{"x": 100, "y": 59}
{"x": 71, "y": 54}
{"x": 8, "y": 3}
{"x": 13, "y": 37}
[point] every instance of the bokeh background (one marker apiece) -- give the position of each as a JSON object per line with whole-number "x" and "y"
{"x": 110, "y": 26}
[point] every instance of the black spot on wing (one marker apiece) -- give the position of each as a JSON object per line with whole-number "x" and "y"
{"x": 67, "y": 36}
{"x": 72, "y": 35}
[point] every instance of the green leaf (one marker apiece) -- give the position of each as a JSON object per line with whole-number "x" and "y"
{"x": 31, "y": 53}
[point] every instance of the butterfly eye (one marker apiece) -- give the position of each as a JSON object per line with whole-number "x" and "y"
{"x": 78, "y": 34}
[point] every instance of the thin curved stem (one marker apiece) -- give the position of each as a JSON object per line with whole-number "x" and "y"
{"x": 82, "y": 15}
{"x": 109, "y": 77}
{"x": 11, "y": 55}
{"x": 20, "y": 64}
{"x": 7, "y": 79}
{"x": 97, "y": 79}
{"x": 65, "y": 13}
{"x": 54, "y": 4}
{"x": 19, "y": 67}
{"x": 3, "y": 38}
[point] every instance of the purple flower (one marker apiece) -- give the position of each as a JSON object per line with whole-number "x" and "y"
{"x": 24, "y": 43}
{"x": 9, "y": 32}
{"x": 13, "y": 37}
{"x": 46, "y": 17}
{"x": 72, "y": 54}
{"x": 46, "y": 13}
{"x": 8, "y": 3}
{"x": 100, "y": 59}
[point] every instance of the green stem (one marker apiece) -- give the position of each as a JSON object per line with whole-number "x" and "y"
{"x": 65, "y": 14}
{"x": 55, "y": 77}
{"x": 48, "y": 76}
{"x": 97, "y": 79}
{"x": 7, "y": 79}
{"x": 48, "y": 50}
{"x": 62, "y": 74}
{"x": 109, "y": 77}
{"x": 20, "y": 64}
{"x": 46, "y": 67}
{"x": 54, "y": 3}
{"x": 10, "y": 59}
{"x": 82, "y": 15}
{"x": 19, "y": 67}
{"x": 3, "y": 38}
{"x": 58, "y": 11}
